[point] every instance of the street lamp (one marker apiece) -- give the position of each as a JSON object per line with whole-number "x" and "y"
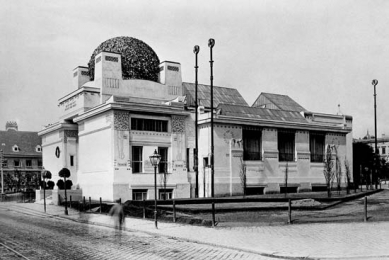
{"x": 211, "y": 44}
{"x": 196, "y": 51}
{"x": 154, "y": 159}
{"x": 374, "y": 83}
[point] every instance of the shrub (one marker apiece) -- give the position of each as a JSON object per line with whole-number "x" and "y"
{"x": 69, "y": 184}
{"x": 60, "y": 184}
{"x": 50, "y": 185}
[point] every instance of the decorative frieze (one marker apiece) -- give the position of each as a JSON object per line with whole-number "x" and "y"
{"x": 122, "y": 120}
{"x": 172, "y": 68}
{"x": 178, "y": 124}
{"x": 71, "y": 134}
{"x": 110, "y": 58}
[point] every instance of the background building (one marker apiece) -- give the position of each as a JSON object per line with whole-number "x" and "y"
{"x": 22, "y": 163}
{"x": 127, "y": 104}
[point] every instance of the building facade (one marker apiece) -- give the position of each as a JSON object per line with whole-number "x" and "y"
{"x": 22, "y": 159}
{"x": 382, "y": 144}
{"x": 127, "y": 104}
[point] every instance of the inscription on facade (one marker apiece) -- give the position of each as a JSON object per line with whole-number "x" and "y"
{"x": 98, "y": 59}
{"x": 70, "y": 105}
{"x": 75, "y": 74}
{"x": 84, "y": 73}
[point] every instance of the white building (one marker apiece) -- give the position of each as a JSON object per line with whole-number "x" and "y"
{"x": 127, "y": 104}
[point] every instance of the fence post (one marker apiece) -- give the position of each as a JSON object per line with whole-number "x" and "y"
{"x": 365, "y": 209}
{"x": 174, "y": 211}
{"x": 90, "y": 204}
{"x": 213, "y": 213}
{"x": 70, "y": 201}
{"x": 83, "y": 204}
{"x": 289, "y": 211}
{"x": 144, "y": 209}
{"x": 101, "y": 205}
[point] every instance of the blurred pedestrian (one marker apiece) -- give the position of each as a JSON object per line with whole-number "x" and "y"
{"x": 117, "y": 213}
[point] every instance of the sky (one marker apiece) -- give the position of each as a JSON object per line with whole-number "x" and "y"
{"x": 320, "y": 53}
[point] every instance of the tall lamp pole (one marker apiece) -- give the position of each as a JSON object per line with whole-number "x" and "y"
{"x": 1, "y": 165}
{"x": 196, "y": 51}
{"x": 211, "y": 43}
{"x": 154, "y": 159}
{"x": 375, "y": 82}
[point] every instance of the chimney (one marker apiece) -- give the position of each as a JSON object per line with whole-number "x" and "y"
{"x": 11, "y": 125}
{"x": 80, "y": 76}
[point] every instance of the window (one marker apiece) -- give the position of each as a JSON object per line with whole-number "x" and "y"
{"x": 383, "y": 150}
{"x": 38, "y": 148}
{"x": 137, "y": 159}
{"x": 28, "y": 163}
{"x": 15, "y": 148}
{"x": 5, "y": 163}
{"x": 187, "y": 159}
{"x": 139, "y": 194}
{"x": 71, "y": 160}
{"x": 163, "y": 163}
{"x": 16, "y": 163}
{"x": 251, "y": 145}
{"x": 149, "y": 125}
{"x": 286, "y": 146}
{"x": 165, "y": 194}
{"x": 316, "y": 146}
{"x": 40, "y": 163}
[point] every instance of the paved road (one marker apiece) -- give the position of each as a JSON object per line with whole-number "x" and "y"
{"x": 40, "y": 236}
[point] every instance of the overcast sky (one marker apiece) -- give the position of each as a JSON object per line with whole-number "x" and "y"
{"x": 320, "y": 53}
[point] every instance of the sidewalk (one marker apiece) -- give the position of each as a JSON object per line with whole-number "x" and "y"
{"x": 314, "y": 241}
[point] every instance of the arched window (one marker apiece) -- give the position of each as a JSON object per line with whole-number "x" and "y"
{"x": 38, "y": 148}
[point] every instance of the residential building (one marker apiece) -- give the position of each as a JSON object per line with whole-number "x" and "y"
{"x": 22, "y": 158}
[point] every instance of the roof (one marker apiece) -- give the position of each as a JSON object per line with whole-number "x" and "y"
{"x": 261, "y": 113}
{"x": 276, "y": 101}
{"x": 26, "y": 142}
{"x": 220, "y": 95}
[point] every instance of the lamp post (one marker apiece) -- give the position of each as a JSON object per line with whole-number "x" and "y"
{"x": 211, "y": 43}
{"x": 154, "y": 159}
{"x": 1, "y": 165}
{"x": 374, "y": 83}
{"x": 196, "y": 51}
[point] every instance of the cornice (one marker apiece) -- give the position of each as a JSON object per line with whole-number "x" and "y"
{"x": 274, "y": 123}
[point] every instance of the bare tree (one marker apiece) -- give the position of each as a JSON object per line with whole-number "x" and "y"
{"x": 338, "y": 168}
{"x": 328, "y": 170}
{"x": 243, "y": 176}
{"x": 347, "y": 174}
{"x": 286, "y": 178}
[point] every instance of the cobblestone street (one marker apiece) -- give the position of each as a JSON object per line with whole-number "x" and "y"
{"x": 40, "y": 236}
{"x": 91, "y": 236}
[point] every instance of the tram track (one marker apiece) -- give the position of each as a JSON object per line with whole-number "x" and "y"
{"x": 8, "y": 253}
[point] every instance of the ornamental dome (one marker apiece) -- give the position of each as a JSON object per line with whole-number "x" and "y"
{"x": 139, "y": 61}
